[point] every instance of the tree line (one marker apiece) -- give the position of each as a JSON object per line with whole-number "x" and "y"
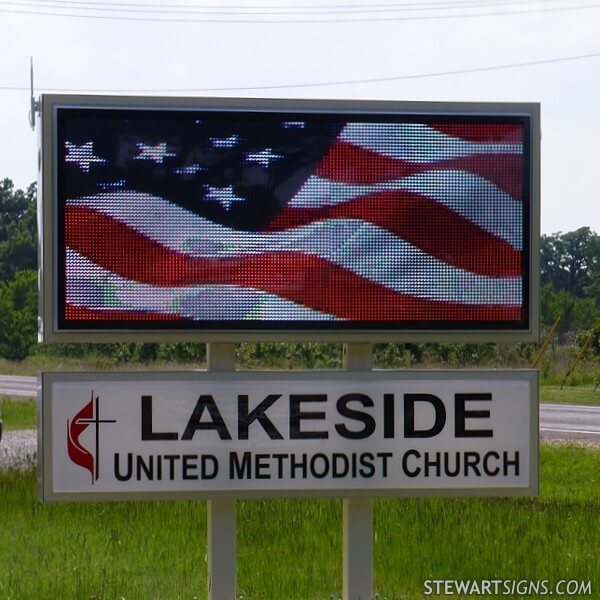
{"x": 570, "y": 278}
{"x": 18, "y": 270}
{"x": 570, "y": 288}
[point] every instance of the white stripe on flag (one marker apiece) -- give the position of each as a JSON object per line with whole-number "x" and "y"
{"x": 416, "y": 142}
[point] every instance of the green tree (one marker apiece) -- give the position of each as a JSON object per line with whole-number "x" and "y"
{"x": 592, "y": 289}
{"x": 18, "y": 230}
{"x": 575, "y": 313}
{"x": 13, "y": 204}
{"x": 18, "y": 315}
{"x": 569, "y": 260}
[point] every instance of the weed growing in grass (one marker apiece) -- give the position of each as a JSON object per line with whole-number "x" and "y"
{"x": 291, "y": 549}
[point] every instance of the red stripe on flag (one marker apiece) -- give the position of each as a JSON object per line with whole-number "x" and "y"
{"x": 485, "y": 133}
{"x": 426, "y": 224}
{"x": 302, "y": 278}
{"x": 348, "y": 163}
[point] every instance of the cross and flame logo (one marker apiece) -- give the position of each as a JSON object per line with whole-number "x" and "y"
{"x": 78, "y": 453}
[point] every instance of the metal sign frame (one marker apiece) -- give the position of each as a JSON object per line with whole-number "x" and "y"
{"x": 47, "y": 217}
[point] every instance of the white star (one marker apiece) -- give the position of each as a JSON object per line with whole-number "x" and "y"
{"x": 229, "y": 142}
{"x": 112, "y": 185}
{"x": 190, "y": 169}
{"x": 83, "y": 156}
{"x": 263, "y": 157}
{"x": 156, "y": 153}
{"x": 294, "y": 124}
{"x": 224, "y": 196}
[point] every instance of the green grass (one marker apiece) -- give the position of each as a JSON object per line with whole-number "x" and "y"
{"x": 581, "y": 394}
{"x": 291, "y": 549}
{"x": 18, "y": 413}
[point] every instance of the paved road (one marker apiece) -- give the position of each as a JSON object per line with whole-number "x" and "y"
{"x": 14, "y": 385}
{"x": 557, "y": 421}
{"x": 570, "y": 422}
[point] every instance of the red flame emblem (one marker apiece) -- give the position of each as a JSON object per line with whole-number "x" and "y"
{"x": 75, "y": 427}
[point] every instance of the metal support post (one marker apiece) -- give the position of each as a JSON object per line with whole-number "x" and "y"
{"x": 221, "y": 514}
{"x": 358, "y": 512}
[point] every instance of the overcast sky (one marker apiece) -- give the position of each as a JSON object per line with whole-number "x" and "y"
{"x": 240, "y": 49}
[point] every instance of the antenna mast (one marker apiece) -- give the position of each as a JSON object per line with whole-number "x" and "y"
{"x": 34, "y": 106}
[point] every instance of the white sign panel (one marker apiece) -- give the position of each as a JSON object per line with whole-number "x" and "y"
{"x": 201, "y": 434}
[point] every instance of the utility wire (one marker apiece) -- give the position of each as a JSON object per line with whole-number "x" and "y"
{"x": 309, "y": 7}
{"x": 519, "y": 65}
{"x": 82, "y": 5}
{"x": 297, "y": 21}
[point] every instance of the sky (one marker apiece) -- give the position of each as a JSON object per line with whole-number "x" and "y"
{"x": 545, "y": 51}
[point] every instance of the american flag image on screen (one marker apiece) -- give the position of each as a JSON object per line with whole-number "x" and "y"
{"x": 213, "y": 219}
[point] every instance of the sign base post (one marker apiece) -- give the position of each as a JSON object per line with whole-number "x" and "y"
{"x": 358, "y": 512}
{"x": 221, "y": 518}
{"x": 221, "y": 526}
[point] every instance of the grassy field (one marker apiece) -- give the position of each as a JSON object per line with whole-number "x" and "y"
{"x": 581, "y": 394}
{"x": 291, "y": 549}
{"x": 18, "y": 413}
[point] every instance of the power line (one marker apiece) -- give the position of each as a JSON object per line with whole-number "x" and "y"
{"x": 261, "y": 10}
{"x": 532, "y": 63}
{"x": 297, "y": 21}
{"x": 309, "y": 7}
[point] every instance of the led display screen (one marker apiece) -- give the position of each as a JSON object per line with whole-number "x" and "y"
{"x": 203, "y": 219}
